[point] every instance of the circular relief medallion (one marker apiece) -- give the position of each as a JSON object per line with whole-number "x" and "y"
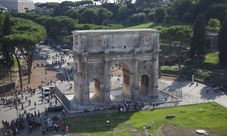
{"x": 148, "y": 64}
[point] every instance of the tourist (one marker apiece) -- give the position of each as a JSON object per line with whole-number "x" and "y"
{"x": 35, "y": 112}
{"x": 29, "y": 102}
{"x": 63, "y": 112}
{"x": 38, "y": 113}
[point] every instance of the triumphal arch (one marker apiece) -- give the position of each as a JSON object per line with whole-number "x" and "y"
{"x": 136, "y": 51}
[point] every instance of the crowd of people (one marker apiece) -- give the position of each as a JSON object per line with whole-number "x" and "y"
{"x": 31, "y": 119}
{"x": 34, "y": 122}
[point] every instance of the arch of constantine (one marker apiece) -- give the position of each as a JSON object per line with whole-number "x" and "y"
{"x": 96, "y": 52}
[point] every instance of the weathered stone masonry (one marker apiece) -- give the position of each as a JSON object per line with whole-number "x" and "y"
{"x": 97, "y": 51}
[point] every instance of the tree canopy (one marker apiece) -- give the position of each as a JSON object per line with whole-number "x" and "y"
{"x": 214, "y": 23}
{"x": 222, "y": 42}
{"x": 23, "y": 38}
{"x": 198, "y": 41}
{"x": 160, "y": 14}
{"x": 176, "y": 33}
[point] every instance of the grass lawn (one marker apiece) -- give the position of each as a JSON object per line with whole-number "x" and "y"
{"x": 209, "y": 61}
{"x": 210, "y": 117}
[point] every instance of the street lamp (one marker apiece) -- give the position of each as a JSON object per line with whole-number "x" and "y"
{"x": 109, "y": 119}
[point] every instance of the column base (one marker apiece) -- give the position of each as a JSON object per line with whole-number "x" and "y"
{"x": 136, "y": 95}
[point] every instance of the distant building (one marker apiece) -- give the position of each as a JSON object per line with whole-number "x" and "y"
{"x": 18, "y": 5}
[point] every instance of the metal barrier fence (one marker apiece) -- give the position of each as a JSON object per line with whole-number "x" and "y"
{"x": 170, "y": 90}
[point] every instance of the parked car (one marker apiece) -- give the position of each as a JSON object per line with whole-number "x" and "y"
{"x": 46, "y": 91}
{"x": 55, "y": 108}
{"x": 44, "y": 56}
{"x": 37, "y": 50}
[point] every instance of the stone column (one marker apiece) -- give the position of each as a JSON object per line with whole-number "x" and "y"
{"x": 136, "y": 93}
{"x": 106, "y": 81}
{"x": 154, "y": 82}
{"x": 78, "y": 80}
{"x": 86, "y": 99}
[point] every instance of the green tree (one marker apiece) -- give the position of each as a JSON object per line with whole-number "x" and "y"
{"x": 150, "y": 16}
{"x": 168, "y": 19}
{"x": 176, "y": 34}
{"x": 6, "y": 49}
{"x": 222, "y": 42}
{"x": 141, "y": 17}
{"x": 134, "y": 18}
{"x": 112, "y": 8}
{"x": 172, "y": 34}
{"x": 187, "y": 17}
{"x": 2, "y": 18}
{"x": 90, "y": 14}
{"x": 23, "y": 38}
{"x": 198, "y": 41}
{"x": 103, "y": 14}
{"x": 213, "y": 22}
{"x": 203, "y": 5}
{"x": 160, "y": 14}
{"x": 122, "y": 14}
{"x": 180, "y": 7}
{"x": 48, "y": 8}
{"x": 216, "y": 11}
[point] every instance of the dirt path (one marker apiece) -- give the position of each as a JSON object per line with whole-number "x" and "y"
{"x": 38, "y": 74}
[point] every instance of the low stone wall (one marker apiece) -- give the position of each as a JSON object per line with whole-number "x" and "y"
{"x": 62, "y": 98}
{"x": 6, "y": 88}
{"x": 91, "y": 113}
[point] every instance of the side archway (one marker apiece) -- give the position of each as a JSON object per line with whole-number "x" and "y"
{"x": 144, "y": 84}
{"x": 95, "y": 90}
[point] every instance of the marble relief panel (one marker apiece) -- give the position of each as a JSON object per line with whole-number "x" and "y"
{"x": 89, "y": 41}
{"x": 98, "y": 40}
{"x": 76, "y": 40}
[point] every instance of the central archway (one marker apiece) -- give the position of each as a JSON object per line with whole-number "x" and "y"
{"x": 120, "y": 87}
